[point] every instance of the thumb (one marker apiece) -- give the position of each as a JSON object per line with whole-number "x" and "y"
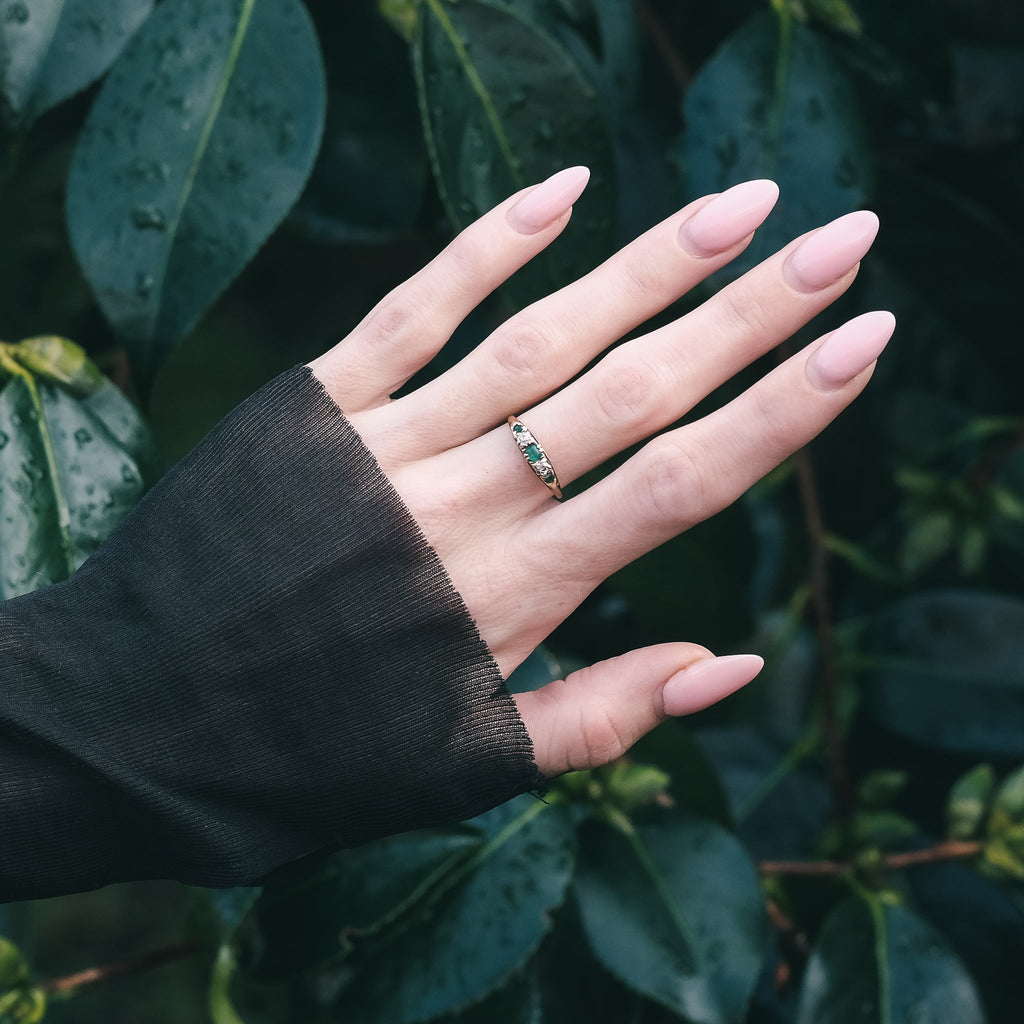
{"x": 596, "y": 714}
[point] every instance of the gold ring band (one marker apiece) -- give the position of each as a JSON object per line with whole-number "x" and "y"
{"x": 536, "y": 457}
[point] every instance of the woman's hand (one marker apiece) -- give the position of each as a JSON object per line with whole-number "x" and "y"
{"x": 523, "y": 561}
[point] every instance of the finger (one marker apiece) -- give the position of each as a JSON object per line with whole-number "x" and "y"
{"x": 408, "y": 327}
{"x": 688, "y": 474}
{"x": 596, "y": 714}
{"x": 549, "y": 342}
{"x": 647, "y": 384}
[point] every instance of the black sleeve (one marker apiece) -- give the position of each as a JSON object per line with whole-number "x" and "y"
{"x": 265, "y": 660}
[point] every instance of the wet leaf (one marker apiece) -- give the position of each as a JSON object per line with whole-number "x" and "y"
{"x": 675, "y": 910}
{"x": 71, "y": 465}
{"x": 51, "y": 49}
{"x": 198, "y": 144}
{"x": 478, "y": 933}
{"x": 879, "y": 963}
{"x": 517, "y": 1003}
{"x": 948, "y": 671}
{"x": 356, "y": 894}
{"x": 486, "y": 76}
{"x": 771, "y": 105}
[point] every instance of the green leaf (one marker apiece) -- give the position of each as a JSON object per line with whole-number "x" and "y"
{"x": 479, "y": 932}
{"x": 23, "y": 1006}
{"x": 1009, "y": 803}
{"x": 929, "y": 537}
{"x": 231, "y": 909}
{"x": 601, "y": 36}
{"x": 13, "y": 968}
{"x": 486, "y": 76}
{"x": 775, "y": 103}
{"x": 968, "y": 800}
{"x": 947, "y": 670}
{"x": 517, "y": 1003}
{"x": 356, "y": 894}
{"x": 225, "y": 966}
{"x": 51, "y": 49}
{"x": 879, "y": 963}
{"x": 199, "y": 142}
{"x": 71, "y": 467}
{"x": 675, "y": 910}
{"x": 881, "y": 789}
{"x": 60, "y": 361}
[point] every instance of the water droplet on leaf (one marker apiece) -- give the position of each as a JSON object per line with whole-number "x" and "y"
{"x": 149, "y": 216}
{"x": 17, "y": 14}
{"x": 143, "y": 284}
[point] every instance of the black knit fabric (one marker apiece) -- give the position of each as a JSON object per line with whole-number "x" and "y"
{"x": 265, "y": 660}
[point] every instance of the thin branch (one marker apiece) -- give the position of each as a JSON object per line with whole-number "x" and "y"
{"x": 820, "y": 868}
{"x": 71, "y": 983}
{"x": 949, "y": 850}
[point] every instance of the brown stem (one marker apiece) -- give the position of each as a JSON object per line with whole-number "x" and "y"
{"x": 832, "y": 737}
{"x": 662, "y": 42}
{"x": 822, "y": 868}
{"x": 69, "y": 984}
{"x": 949, "y": 850}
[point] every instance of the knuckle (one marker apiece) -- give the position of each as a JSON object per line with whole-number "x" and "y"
{"x": 774, "y": 427}
{"x": 676, "y": 486}
{"x": 629, "y": 393}
{"x": 392, "y": 321}
{"x": 603, "y": 739}
{"x": 642, "y": 278}
{"x": 747, "y": 311}
{"x": 523, "y": 348}
{"x": 465, "y": 254}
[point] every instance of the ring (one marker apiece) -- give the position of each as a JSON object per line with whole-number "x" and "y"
{"x": 535, "y": 456}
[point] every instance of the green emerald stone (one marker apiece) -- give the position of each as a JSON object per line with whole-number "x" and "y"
{"x": 517, "y": 428}
{"x": 533, "y": 453}
{"x": 549, "y": 477}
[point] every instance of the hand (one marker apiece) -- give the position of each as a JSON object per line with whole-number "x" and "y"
{"x": 523, "y": 561}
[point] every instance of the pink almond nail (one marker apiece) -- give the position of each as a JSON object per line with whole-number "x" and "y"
{"x": 850, "y": 350}
{"x": 831, "y": 251}
{"x": 707, "y": 681}
{"x": 728, "y": 218}
{"x": 546, "y": 202}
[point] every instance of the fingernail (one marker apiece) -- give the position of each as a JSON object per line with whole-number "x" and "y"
{"x": 831, "y": 251}
{"x": 547, "y": 201}
{"x": 850, "y": 350}
{"x": 728, "y": 218}
{"x": 707, "y": 681}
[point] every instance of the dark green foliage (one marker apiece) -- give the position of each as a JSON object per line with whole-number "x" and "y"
{"x": 878, "y": 961}
{"x": 773, "y": 102}
{"x": 149, "y": 151}
{"x": 197, "y": 145}
{"x": 74, "y": 460}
